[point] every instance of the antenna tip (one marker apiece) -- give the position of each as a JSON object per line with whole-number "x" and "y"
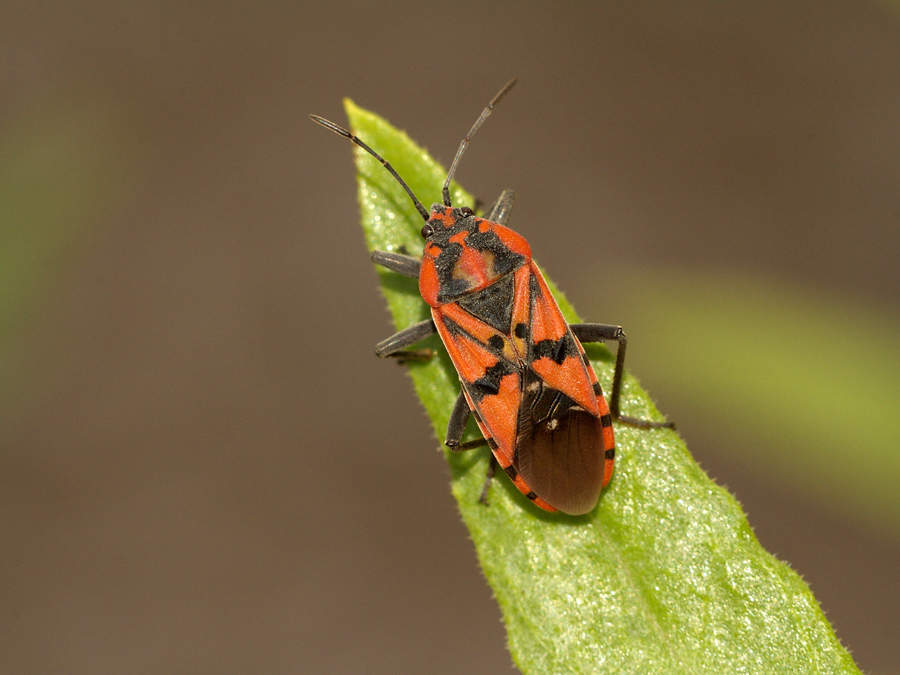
{"x": 505, "y": 90}
{"x": 331, "y": 125}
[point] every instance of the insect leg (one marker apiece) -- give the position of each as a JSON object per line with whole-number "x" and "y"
{"x": 598, "y": 332}
{"x": 492, "y": 469}
{"x": 457, "y": 425}
{"x": 395, "y": 346}
{"x": 397, "y": 262}
{"x": 500, "y": 211}
{"x": 455, "y": 429}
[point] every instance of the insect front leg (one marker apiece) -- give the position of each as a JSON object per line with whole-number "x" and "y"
{"x": 397, "y": 262}
{"x": 501, "y": 211}
{"x": 395, "y": 346}
{"x": 598, "y": 332}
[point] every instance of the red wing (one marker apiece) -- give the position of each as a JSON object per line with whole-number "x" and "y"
{"x": 553, "y": 352}
{"x": 564, "y": 438}
{"x": 491, "y": 381}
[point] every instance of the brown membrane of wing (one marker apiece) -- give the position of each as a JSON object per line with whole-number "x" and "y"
{"x": 559, "y": 448}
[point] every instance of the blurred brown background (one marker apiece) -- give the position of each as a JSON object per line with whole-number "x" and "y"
{"x": 203, "y": 467}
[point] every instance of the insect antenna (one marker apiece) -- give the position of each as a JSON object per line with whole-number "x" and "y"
{"x": 465, "y": 142}
{"x": 343, "y": 132}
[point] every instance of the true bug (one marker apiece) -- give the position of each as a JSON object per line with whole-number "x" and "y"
{"x": 523, "y": 371}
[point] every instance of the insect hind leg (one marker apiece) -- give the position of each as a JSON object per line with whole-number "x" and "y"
{"x": 455, "y": 428}
{"x": 599, "y": 332}
{"x": 488, "y": 480}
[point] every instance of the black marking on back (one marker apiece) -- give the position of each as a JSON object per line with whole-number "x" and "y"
{"x": 450, "y": 288}
{"x": 534, "y": 290}
{"x": 493, "y": 305}
{"x": 504, "y": 261}
{"x": 489, "y": 383}
{"x": 558, "y": 350}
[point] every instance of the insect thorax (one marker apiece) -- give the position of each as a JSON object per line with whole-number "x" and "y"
{"x": 469, "y": 253}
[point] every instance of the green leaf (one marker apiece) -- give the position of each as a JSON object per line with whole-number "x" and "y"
{"x": 760, "y": 357}
{"x": 664, "y": 576}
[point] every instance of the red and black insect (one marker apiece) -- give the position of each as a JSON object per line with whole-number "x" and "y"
{"x": 524, "y": 374}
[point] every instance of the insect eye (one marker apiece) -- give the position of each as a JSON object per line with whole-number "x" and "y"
{"x": 427, "y": 230}
{"x": 466, "y": 211}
